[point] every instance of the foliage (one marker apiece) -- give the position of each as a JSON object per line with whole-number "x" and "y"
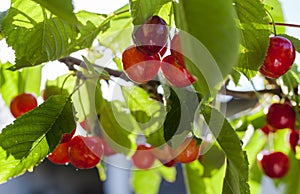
{"x": 221, "y": 41}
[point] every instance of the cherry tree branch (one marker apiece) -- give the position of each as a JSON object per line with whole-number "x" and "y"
{"x": 71, "y": 62}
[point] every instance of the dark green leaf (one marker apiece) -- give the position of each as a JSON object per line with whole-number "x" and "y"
{"x": 2, "y": 15}
{"x": 27, "y": 141}
{"x": 141, "y": 10}
{"x": 236, "y": 180}
{"x": 205, "y": 40}
{"x": 254, "y": 27}
{"x": 63, "y": 9}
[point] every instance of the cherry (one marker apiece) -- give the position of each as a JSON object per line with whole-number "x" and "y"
{"x": 280, "y": 57}
{"x": 176, "y": 50}
{"x": 188, "y": 151}
{"x": 138, "y": 66}
{"x": 85, "y": 151}
{"x": 60, "y": 154}
{"x": 164, "y": 155}
{"x": 143, "y": 157}
{"x": 273, "y": 164}
{"x": 152, "y": 36}
{"x": 67, "y": 136}
{"x": 175, "y": 73}
{"x": 266, "y": 129}
{"x": 22, "y": 103}
{"x": 106, "y": 149}
{"x": 293, "y": 139}
{"x": 281, "y": 116}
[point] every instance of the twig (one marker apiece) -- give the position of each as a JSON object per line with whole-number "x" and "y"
{"x": 285, "y": 24}
{"x": 252, "y": 94}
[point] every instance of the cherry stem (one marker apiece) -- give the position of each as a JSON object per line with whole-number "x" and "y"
{"x": 285, "y": 24}
{"x": 272, "y": 22}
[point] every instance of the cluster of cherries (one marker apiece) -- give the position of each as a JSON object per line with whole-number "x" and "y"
{"x": 143, "y": 60}
{"x": 275, "y": 164}
{"x": 85, "y": 152}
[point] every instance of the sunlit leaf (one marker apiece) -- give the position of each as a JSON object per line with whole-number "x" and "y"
{"x": 254, "y": 26}
{"x": 27, "y": 141}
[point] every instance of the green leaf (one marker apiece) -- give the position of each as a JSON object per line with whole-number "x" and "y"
{"x": 236, "y": 178}
{"x": 2, "y": 16}
{"x": 292, "y": 179}
{"x": 198, "y": 184}
{"x": 38, "y": 36}
{"x": 118, "y": 127}
{"x": 141, "y": 183}
{"x": 254, "y": 27}
{"x": 205, "y": 40}
{"x": 13, "y": 83}
{"x": 63, "y": 9}
{"x": 27, "y": 141}
{"x": 118, "y": 36}
{"x": 141, "y": 10}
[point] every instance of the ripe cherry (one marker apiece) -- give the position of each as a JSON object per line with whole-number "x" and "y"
{"x": 293, "y": 139}
{"x": 138, "y": 66}
{"x": 176, "y": 50}
{"x": 108, "y": 151}
{"x": 68, "y": 136}
{"x": 273, "y": 164}
{"x": 279, "y": 59}
{"x": 266, "y": 129}
{"x": 152, "y": 36}
{"x": 60, "y": 154}
{"x": 85, "y": 151}
{"x": 22, "y": 103}
{"x": 176, "y": 74}
{"x": 188, "y": 151}
{"x": 281, "y": 116}
{"x": 164, "y": 155}
{"x": 143, "y": 157}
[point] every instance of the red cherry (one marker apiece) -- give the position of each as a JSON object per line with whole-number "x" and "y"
{"x": 106, "y": 149}
{"x": 143, "y": 157}
{"x": 85, "y": 151}
{"x": 60, "y": 154}
{"x": 273, "y": 164}
{"x": 175, "y": 74}
{"x": 138, "y": 66}
{"x": 266, "y": 129}
{"x": 176, "y": 50}
{"x": 188, "y": 151}
{"x": 68, "y": 136}
{"x": 280, "y": 57}
{"x": 152, "y": 36}
{"x": 281, "y": 116}
{"x": 164, "y": 155}
{"x": 22, "y": 103}
{"x": 293, "y": 139}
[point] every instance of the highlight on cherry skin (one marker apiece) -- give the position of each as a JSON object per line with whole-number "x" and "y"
{"x": 151, "y": 37}
{"x": 138, "y": 66}
{"x": 188, "y": 151}
{"x": 279, "y": 59}
{"x": 273, "y": 164}
{"x": 22, "y": 103}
